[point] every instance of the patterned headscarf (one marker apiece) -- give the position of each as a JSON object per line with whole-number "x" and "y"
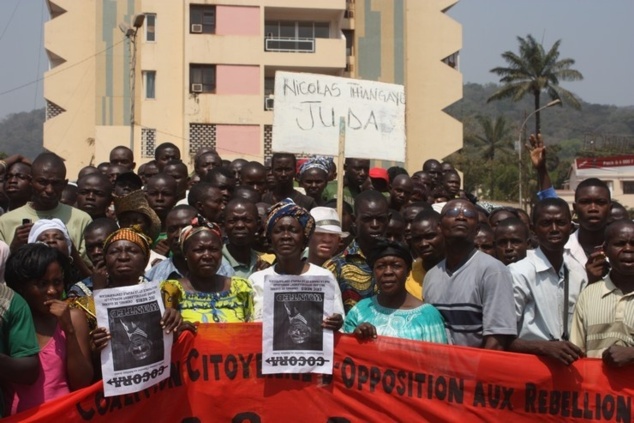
{"x": 318, "y": 162}
{"x": 286, "y": 208}
{"x": 132, "y": 234}
{"x": 198, "y": 224}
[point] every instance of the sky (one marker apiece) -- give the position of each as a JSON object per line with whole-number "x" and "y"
{"x": 598, "y": 34}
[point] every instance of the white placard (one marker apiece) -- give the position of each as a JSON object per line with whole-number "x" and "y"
{"x": 139, "y": 353}
{"x": 308, "y": 107}
{"x": 293, "y": 340}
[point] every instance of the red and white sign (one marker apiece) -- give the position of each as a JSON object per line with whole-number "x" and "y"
{"x": 609, "y": 161}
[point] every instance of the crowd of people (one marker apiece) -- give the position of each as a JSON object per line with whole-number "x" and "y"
{"x": 411, "y": 256}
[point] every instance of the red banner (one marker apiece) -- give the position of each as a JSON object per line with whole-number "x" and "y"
{"x": 215, "y": 378}
{"x": 609, "y": 161}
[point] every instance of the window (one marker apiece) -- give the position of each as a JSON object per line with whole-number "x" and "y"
{"x": 202, "y": 78}
{"x": 148, "y": 142}
{"x": 149, "y": 80}
{"x": 294, "y": 35}
{"x": 201, "y": 135}
{"x": 269, "y": 92}
{"x": 150, "y": 27}
{"x": 269, "y": 85}
{"x": 322, "y": 30}
{"x": 202, "y": 19}
{"x": 349, "y": 42}
{"x": 628, "y": 187}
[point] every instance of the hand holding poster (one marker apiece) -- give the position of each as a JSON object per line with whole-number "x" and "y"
{"x": 293, "y": 340}
{"x": 139, "y": 352}
{"x": 308, "y": 108}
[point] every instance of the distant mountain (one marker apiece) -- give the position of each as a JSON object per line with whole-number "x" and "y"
{"x": 571, "y": 129}
{"x": 21, "y": 133}
{"x": 594, "y": 122}
{"x": 595, "y": 130}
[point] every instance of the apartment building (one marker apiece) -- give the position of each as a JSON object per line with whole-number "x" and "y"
{"x": 200, "y": 73}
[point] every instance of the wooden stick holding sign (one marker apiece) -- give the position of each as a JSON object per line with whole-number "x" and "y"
{"x": 341, "y": 157}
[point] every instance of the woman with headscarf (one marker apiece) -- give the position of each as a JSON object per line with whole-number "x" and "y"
{"x": 394, "y": 311}
{"x": 54, "y": 233}
{"x": 203, "y": 295}
{"x": 313, "y": 177}
{"x": 126, "y": 253}
{"x": 289, "y": 228}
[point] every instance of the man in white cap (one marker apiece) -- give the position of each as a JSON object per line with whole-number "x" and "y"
{"x": 325, "y": 240}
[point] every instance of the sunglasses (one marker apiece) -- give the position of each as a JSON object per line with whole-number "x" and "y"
{"x": 469, "y": 214}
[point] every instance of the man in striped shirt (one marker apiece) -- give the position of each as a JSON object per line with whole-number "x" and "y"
{"x": 603, "y": 322}
{"x": 472, "y": 290}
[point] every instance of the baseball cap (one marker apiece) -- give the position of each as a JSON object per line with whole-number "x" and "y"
{"x": 379, "y": 173}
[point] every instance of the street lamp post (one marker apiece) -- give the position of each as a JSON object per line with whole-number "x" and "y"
{"x": 519, "y": 145}
{"x": 130, "y": 34}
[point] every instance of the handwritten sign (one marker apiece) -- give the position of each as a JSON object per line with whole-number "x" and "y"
{"x": 308, "y": 108}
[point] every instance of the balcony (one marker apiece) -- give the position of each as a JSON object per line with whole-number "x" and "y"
{"x": 289, "y": 44}
{"x": 325, "y": 53}
{"x": 453, "y": 60}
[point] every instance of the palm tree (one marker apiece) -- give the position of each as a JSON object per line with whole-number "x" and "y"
{"x": 534, "y": 71}
{"x": 495, "y": 141}
{"x": 493, "y": 145}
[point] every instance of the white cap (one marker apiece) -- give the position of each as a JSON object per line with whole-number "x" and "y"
{"x": 327, "y": 221}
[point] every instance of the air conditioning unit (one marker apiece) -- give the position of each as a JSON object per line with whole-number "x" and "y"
{"x": 197, "y": 28}
{"x": 268, "y": 103}
{"x": 197, "y": 88}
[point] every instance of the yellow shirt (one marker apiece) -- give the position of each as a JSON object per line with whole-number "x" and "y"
{"x": 414, "y": 282}
{"x": 269, "y": 258}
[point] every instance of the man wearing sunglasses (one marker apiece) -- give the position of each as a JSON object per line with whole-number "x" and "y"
{"x": 472, "y": 290}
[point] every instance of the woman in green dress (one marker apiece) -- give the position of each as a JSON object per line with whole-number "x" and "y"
{"x": 203, "y": 295}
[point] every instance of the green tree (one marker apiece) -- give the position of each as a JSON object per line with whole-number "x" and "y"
{"x": 493, "y": 145}
{"x": 535, "y": 71}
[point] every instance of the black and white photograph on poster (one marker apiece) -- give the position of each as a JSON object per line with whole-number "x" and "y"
{"x": 137, "y": 329}
{"x": 297, "y": 321}
{"x": 139, "y": 352}
{"x": 293, "y": 340}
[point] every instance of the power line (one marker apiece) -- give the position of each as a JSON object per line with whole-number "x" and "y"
{"x": 17, "y": 3}
{"x": 62, "y": 70}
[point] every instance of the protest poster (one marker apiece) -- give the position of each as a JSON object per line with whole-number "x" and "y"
{"x": 139, "y": 352}
{"x": 308, "y": 108}
{"x": 293, "y": 340}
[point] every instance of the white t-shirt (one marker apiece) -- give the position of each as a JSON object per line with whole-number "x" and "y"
{"x": 257, "y": 281}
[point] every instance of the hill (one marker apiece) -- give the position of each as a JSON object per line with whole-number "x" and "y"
{"x": 594, "y": 130}
{"x": 573, "y": 129}
{"x": 590, "y": 130}
{"x": 21, "y": 133}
